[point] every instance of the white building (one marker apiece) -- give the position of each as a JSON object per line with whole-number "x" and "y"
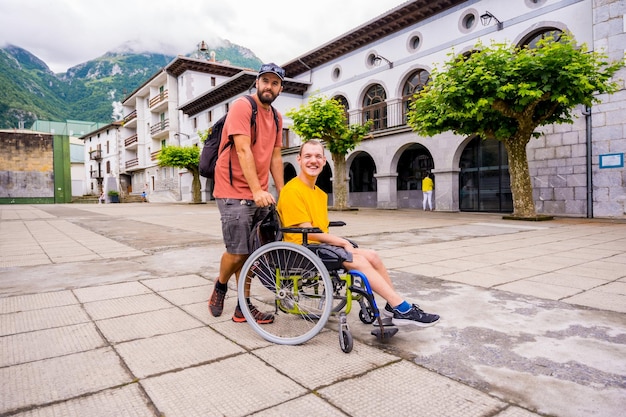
{"x": 577, "y": 169}
{"x": 102, "y": 159}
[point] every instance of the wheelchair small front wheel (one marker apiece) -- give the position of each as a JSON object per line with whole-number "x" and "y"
{"x": 289, "y": 284}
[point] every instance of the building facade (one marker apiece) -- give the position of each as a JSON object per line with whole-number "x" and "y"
{"x": 577, "y": 170}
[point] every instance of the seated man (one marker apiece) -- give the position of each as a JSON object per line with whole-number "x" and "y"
{"x": 303, "y": 204}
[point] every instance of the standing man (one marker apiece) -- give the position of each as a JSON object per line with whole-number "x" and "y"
{"x": 242, "y": 180}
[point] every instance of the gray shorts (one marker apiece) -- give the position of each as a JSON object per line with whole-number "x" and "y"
{"x": 237, "y": 217}
{"x": 333, "y": 257}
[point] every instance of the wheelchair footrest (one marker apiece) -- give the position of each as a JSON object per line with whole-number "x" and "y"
{"x": 384, "y": 333}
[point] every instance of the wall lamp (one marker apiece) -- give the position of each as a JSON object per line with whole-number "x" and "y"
{"x": 486, "y": 17}
{"x": 379, "y": 58}
{"x": 181, "y": 133}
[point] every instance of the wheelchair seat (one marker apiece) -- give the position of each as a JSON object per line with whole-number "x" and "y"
{"x": 330, "y": 259}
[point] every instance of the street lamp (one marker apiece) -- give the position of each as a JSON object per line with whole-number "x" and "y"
{"x": 486, "y": 17}
{"x": 379, "y": 58}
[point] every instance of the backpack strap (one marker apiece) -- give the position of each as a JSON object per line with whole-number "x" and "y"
{"x": 255, "y": 111}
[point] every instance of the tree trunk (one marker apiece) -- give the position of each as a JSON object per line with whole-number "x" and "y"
{"x": 196, "y": 188}
{"x": 340, "y": 191}
{"x": 521, "y": 185}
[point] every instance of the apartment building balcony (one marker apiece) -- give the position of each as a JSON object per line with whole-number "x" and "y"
{"x": 130, "y": 120}
{"x": 131, "y": 142}
{"x": 158, "y": 102}
{"x": 154, "y": 156}
{"x": 95, "y": 174}
{"x": 95, "y": 155}
{"x": 160, "y": 129}
{"x": 132, "y": 164}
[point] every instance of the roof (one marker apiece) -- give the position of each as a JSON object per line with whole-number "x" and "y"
{"x": 395, "y": 20}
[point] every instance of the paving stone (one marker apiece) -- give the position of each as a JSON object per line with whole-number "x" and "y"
{"x": 173, "y": 351}
{"x": 36, "y": 301}
{"x": 127, "y": 401}
{"x": 171, "y": 283}
{"x": 46, "y": 318}
{"x": 105, "y": 292}
{"x": 49, "y": 343}
{"x": 406, "y": 389}
{"x": 215, "y": 390}
{"x": 116, "y": 307}
{"x": 64, "y": 377}
{"x": 138, "y": 326}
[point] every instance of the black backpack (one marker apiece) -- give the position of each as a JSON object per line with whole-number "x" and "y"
{"x": 210, "y": 150}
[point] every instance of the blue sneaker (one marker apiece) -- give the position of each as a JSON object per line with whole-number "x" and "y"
{"x": 415, "y": 316}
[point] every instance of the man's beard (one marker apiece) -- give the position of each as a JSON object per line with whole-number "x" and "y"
{"x": 263, "y": 98}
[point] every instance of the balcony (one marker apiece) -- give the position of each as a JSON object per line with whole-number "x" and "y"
{"x": 159, "y": 101}
{"x": 95, "y": 175}
{"x": 132, "y": 163}
{"x": 384, "y": 115}
{"x": 159, "y": 129}
{"x": 130, "y": 120}
{"x": 155, "y": 155}
{"x": 131, "y": 141}
{"x": 95, "y": 155}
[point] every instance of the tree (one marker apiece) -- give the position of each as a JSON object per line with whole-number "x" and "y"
{"x": 503, "y": 92}
{"x": 184, "y": 157}
{"x": 325, "y": 119}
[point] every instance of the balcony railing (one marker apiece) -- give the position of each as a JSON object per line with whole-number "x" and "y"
{"x": 95, "y": 155}
{"x": 95, "y": 175}
{"x": 155, "y": 155}
{"x": 161, "y": 97}
{"x": 159, "y": 126}
{"x": 384, "y": 115}
{"x": 130, "y": 140}
{"x": 130, "y": 116}
{"x": 132, "y": 163}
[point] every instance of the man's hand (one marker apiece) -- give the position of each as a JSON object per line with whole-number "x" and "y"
{"x": 263, "y": 199}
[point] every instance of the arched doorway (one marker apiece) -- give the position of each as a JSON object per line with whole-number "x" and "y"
{"x": 484, "y": 181}
{"x": 362, "y": 184}
{"x": 289, "y": 172}
{"x": 414, "y": 164}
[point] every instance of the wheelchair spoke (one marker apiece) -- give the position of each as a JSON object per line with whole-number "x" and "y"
{"x": 290, "y": 281}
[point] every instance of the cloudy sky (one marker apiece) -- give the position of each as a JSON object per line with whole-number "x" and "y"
{"x": 64, "y": 33}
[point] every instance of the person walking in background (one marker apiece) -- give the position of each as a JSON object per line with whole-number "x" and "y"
{"x": 242, "y": 180}
{"x": 102, "y": 198}
{"x": 427, "y": 191}
{"x": 303, "y": 204}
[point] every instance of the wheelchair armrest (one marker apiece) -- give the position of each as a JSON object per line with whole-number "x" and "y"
{"x": 301, "y": 230}
{"x": 336, "y": 223}
{"x": 304, "y": 231}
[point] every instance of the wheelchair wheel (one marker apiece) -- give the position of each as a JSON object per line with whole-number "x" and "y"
{"x": 292, "y": 283}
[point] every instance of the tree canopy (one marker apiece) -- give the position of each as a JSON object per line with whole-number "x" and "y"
{"x": 325, "y": 119}
{"x": 186, "y": 157}
{"x": 505, "y": 92}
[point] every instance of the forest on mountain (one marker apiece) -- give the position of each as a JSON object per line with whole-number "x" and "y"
{"x": 90, "y": 91}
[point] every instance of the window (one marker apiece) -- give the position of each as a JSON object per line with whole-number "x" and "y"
{"x": 415, "y": 83}
{"x": 108, "y": 167}
{"x": 468, "y": 21}
{"x": 415, "y": 42}
{"x": 549, "y": 32}
{"x": 344, "y": 103}
{"x": 212, "y": 81}
{"x": 195, "y": 123}
{"x": 374, "y": 107}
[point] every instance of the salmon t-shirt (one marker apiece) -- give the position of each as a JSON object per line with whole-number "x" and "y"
{"x": 267, "y": 138}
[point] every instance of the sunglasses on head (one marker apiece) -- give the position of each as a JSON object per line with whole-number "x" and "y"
{"x": 273, "y": 68}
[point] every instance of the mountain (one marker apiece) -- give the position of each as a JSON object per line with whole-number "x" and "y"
{"x": 30, "y": 91}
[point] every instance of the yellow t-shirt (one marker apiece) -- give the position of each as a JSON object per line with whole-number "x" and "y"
{"x": 427, "y": 184}
{"x": 298, "y": 204}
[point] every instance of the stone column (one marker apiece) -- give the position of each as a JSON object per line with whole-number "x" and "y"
{"x": 387, "y": 190}
{"x": 446, "y": 193}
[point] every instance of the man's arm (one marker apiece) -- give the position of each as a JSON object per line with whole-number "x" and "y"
{"x": 276, "y": 169}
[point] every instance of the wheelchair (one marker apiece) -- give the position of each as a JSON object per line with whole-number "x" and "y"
{"x": 303, "y": 288}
